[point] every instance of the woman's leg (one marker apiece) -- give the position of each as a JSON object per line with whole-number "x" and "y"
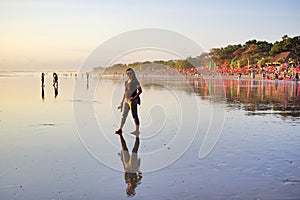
{"x": 124, "y": 116}
{"x": 123, "y": 143}
{"x": 136, "y": 145}
{"x": 135, "y": 116}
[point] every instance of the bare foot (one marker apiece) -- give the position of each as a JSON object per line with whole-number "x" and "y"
{"x": 118, "y": 132}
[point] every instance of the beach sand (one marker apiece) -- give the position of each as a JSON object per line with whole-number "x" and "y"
{"x": 63, "y": 146}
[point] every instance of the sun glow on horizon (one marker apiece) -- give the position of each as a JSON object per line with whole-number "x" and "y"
{"x": 61, "y": 34}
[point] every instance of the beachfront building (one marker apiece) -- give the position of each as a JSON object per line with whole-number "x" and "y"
{"x": 284, "y": 59}
{"x": 283, "y": 66}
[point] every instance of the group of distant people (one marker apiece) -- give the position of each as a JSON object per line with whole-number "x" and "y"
{"x": 55, "y": 79}
{"x": 277, "y": 75}
{"x": 55, "y": 84}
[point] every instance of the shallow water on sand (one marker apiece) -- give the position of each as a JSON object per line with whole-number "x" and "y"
{"x": 201, "y": 138}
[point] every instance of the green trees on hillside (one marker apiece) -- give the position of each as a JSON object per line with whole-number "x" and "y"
{"x": 286, "y": 44}
{"x": 253, "y": 52}
{"x": 241, "y": 55}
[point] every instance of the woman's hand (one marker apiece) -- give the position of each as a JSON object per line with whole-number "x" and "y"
{"x": 132, "y": 98}
{"x": 120, "y": 106}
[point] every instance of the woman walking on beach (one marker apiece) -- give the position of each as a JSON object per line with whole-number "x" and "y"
{"x": 131, "y": 99}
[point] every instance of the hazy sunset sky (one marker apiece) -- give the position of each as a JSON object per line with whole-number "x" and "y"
{"x": 45, "y": 35}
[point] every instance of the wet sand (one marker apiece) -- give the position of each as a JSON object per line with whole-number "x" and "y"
{"x": 57, "y": 145}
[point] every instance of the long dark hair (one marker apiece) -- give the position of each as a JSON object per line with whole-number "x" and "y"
{"x": 133, "y": 73}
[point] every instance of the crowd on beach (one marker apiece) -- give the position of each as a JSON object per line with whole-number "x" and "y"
{"x": 265, "y": 73}
{"x": 291, "y": 75}
{"x": 283, "y": 72}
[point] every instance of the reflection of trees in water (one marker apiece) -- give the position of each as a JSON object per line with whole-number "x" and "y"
{"x": 283, "y": 97}
{"x": 255, "y": 96}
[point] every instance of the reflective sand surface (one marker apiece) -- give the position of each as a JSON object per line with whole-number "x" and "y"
{"x": 204, "y": 138}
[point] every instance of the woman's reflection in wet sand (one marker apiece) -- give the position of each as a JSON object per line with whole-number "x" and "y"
{"x": 43, "y": 93}
{"x": 131, "y": 164}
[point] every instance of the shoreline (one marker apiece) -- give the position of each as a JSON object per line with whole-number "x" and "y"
{"x": 4, "y": 74}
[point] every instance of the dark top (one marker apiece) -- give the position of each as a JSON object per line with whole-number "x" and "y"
{"x": 55, "y": 77}
{"x": 131, "y": 88}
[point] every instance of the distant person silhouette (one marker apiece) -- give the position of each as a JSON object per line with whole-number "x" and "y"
{"x": 131, "y": 99}
{"x": 43, "y": 79}
{"x": 87, "y": 80}
{"x": 131, "y": 164}
{"x": 296, "y": 77}
{"x": 55, "y": 80}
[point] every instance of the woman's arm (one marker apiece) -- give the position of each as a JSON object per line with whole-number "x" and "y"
{"x": 139, "y": 91}
{"x": 121, "y": 104}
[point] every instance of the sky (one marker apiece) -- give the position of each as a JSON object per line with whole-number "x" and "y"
{"x": 41, "y": 35}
